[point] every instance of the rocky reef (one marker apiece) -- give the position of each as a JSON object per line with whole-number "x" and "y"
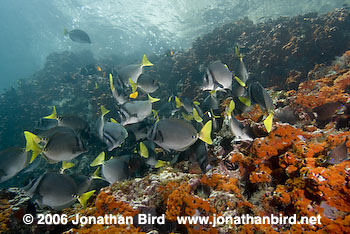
{"x": 281, "y": 173}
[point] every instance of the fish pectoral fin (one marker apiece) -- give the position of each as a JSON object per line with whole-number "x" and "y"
{"x": 99, "y": 160}
{"x": 268, "y": 122}
{"x": 85, "y": 197}
{"x": 205, "y": 133}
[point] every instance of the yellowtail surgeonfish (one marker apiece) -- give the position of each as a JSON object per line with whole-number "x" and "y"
{"x": 13, "y": 160}
{"x": 217, "y": 77}
{"x": 57, "y": 191}
{"x": 177, "y": 134}
{"x": 133, "y": 71}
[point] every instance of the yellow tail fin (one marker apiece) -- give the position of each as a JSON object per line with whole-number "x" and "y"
{"x": 245, "y": 101}
{"x": 178, "y": 102}
{"x": 155, "y": 115}
{"x": 152, "y": 99}
{"x": 196, "y": 116}
{"x": 113, "y": 120}
{"x": 53, "y": 115}
{"x": 66, "y": 165}
{"x": 143, "y": 150}
{"x": 205, "y": 133}
{"x": 161, "y": 163}
{"x": 146, "y": 62}
{"x": 240, "y": 82}
{"x": 133, "y": 85}
{"x": 111, "y": 82}
{"x": 231, "y": 107}
{"x": 85, "y": 197}
{"x": 99, "y": 160}
{"x": 95, "y": 174}
{"x": 104, "y": 111}
{"x": 268, "y": 122}
{"x": 212, "y": 92}
{"x": 32, "y": 144}
{"x": 186, "y": 116}
{"x": 196, "y": 103}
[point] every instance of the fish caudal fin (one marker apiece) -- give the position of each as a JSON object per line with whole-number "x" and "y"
{"x": 186, "y": 116}
{"x": 53, "y": 115}
{"x": 152, "y": 99}
{"x": 146, "y": 62}
{"x": 240, "y": 82}
{"x": 178, "y": 102}
{"x": 268, "y": 122}
{"x": 205, "y": 133}
{"x": 245, "y": 101}
{"x": 99, "y": 160}
{"x": 231, "y": 107}
{"x": 143, "y": 150}
{"x": 161, "y": 163}
{"x": 196, "y": 116}
{"x": 66, "y": 165}
{"x": 111, "y": 82}
{"x": 95, "y": 174}
{"x": 104, "y": 111}
{"x": 85, "y": 197}
{"x": 32, "y": 144}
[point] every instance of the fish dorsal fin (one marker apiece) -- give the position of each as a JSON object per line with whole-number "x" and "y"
{"x": 152, "y": 99}
{"x": 231, "y": 107}
{"x": 240, "y": 82}
{"x": 53, "y": 115}
{"x": 205, "y": 133}
{"x": 196, "y": 116}
{"x": 245, "y": 101}
{"x": 85, "y": 197}
{"x": 111, "y": 82}
{"x": 66, "y": 165}
{"x": 99, "y": 160}
{"x": 104, "y": 111}
{"x": 146, "y": 62}
{"x": 143, "y": 150}
{"x": 268, "y": 122}
{"x": 178, "y": 102}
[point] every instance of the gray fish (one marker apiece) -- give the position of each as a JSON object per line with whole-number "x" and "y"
{"x": 117, "y": 91}
{"x": 54, "y": 190}
{"x": 147, "y": 83}
{"x": 78, "y": 124}
{"x": 114, "y": 135}
{"x": 135, "y": 111}
{"x": 338, "y": 154}
{"x": 259, "y": 95}
{"x": 13, "y": 160}
{"x": 177, "y": 134}
{"x": 217, "y": 77}
{"x": 45, "y": 135}
{"x": 133, "y": 71}
{"x": 243, "y": 73}
{"x": 115, "y": 169}
{"x": 286, "y": 115}
{"x": 63, "y": 146}
{"x": 326, "y": 111}
{"x": 78, "y": 35}
{"x": 238, "y": 130}
{"x": 210, "y": 103}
